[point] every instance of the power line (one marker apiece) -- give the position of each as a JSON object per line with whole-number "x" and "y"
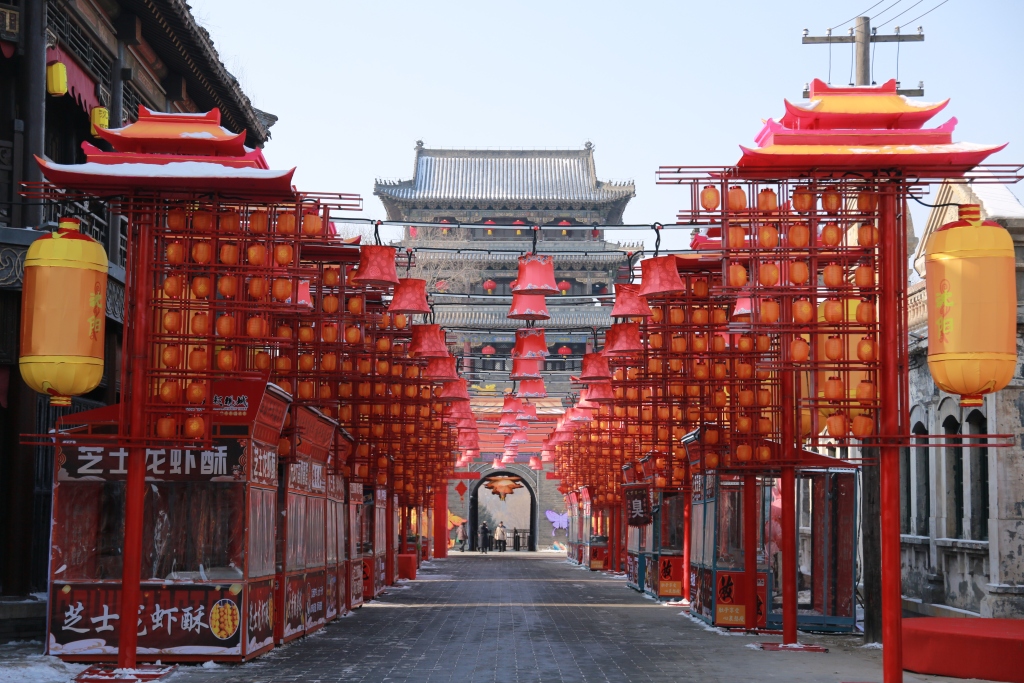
{"x": 911, "y": 21}
{"x": 886, "y": 9}
{"x": 859, "y": 14}
{"x": 901, "y": 13}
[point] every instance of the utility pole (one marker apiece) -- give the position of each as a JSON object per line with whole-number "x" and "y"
{"x": 862, "y": 36}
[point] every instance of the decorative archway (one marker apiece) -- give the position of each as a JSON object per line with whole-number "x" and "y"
{"x": 474, "y": 503}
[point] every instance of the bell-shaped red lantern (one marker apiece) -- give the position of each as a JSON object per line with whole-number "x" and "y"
{"x": 530, "y": 343}
{"x": 595, "y": 368}
{"x": 520, "y": 437}
{"x": 536, "y": 275}
{"x": 660, "y": 275}
{"x": 526, "y": 368}
{"x": 410, "y": 297}
{"x": 622, "y": 339}
{"x": 507, "y": 424}
{"x": 600, "y": 392}
{"x": 441, "y": 369}
{"x": 428, "y": 342}
{"x": 454, "y": 391}
{"x": 376, "y": 266}
{"x": 488, "y": 350}
{"x": 535, "y": 463}
{"x": 511, "y": 405}
{"x": 528, "y": 413}
{"x": 564, "y": 286}
{"x": 489, "y": 286}
{"x": 564, "y": 351}
{"x": 528, "y": 307}
{"x": 629, "y": 303}
{"x": 532, "y": 388}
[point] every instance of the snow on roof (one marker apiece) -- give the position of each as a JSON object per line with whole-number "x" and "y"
{"x": 176, "y": 169}
{"x": 998, "y": 201}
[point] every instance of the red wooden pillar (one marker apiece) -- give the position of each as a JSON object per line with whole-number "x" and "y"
{"x": 390, "y": 561}
{"x": 441, "y": 520}
{"x": 139, "y": 281}
{"x": 891, "y": 272}
{"x": 750, "y": 549}
{"x": 403, "y": 529}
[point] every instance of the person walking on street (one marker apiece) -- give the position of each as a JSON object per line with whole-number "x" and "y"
{"x": 499, "y": 537}
{"x": 485, "y": 537}
{"x": 461, "y": 536}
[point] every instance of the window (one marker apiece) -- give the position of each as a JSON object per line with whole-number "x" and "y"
{"x": 905, "y": 491}
{"x": 954, "y": 479}
{"x": 922, "y": 483}
{"x": 977, "y": 424}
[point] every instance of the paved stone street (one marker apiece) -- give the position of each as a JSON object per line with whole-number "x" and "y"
{"x": 534, "y": 617}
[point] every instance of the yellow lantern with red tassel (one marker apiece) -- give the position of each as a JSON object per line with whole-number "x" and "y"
{"x": 972, "y": 317}
{"x": 63, "y": 313}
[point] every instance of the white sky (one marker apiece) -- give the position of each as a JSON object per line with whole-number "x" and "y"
{"x": 355, "y": 84}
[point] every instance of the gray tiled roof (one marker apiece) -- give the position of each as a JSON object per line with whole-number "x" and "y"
{"x": 505, "y": 175}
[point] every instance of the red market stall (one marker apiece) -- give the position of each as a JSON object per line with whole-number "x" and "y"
{"x": 375, "y": 540}
{"x": 302, "y": 526}
{"x": 208, "y": 553}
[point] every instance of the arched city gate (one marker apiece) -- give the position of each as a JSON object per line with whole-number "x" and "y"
{"x": 525, "y": 487}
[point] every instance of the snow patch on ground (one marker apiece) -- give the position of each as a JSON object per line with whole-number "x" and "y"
{"x": 32, "y": 668}
{"x": 713, "y": 629}
{"x": 210, "y": 665}
{"x": 871, "y": 646}
{"x": 753, "y": 646}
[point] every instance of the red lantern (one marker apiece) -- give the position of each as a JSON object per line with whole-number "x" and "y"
{"x": 536, "y": 275}
{"x": 441, "y": 369}
{"x": 488, "y": 350}
{"x": 622, "y": 339}
{"x": 660, "y": 276}
{"x": 511, "y": 405}
{"x": 490, "y": 286}
{"x": 531, "y": 388}
{"x": 595, "y": 368}
{"x": 564, "y": 351}
{"x": 528, "y": 307}
{"x": 428, "y": 342}
{"x": 410, "y": 297}
{"x": 454, "y": 391}
{"x": 629, "y": 303}
{"x": 564, "y": 286}
{"x": 376, "y": 266}
{"x": 526, "y": 368}
{"x": 600, "y": 392}
{"x": 530, "y": 343}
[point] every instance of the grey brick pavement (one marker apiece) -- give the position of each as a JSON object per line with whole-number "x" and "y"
{"x": 533, "y": 618}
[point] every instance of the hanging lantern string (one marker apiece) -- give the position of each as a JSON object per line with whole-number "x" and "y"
{"x": 594, "y": 330}
{"x": 630, "y": 256}
{"x": 376, "y": 231}
{"x": 408, "y": 262}
{"x": 536, "y": 231}
{"x": 656, "y": 227}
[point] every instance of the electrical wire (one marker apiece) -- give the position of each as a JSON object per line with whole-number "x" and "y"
{"x": 901, "y": 13}
{"x": 886, "y": 9}
{"x": 911, "y": 21}
{"x": 933, "y": 206}
{"x": 859, "y": 14}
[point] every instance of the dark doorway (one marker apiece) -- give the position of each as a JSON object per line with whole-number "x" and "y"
{"x": 523, "y": 488}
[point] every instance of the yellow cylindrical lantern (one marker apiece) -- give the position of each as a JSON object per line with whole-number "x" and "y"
{"x": 972, "y": 306}
{"x": 57, "y": 79}
{"x": 63, "y": 313}
{"x": 99, "y": 117}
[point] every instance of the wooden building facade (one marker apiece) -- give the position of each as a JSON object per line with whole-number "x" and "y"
{"x": 116, "y": 55}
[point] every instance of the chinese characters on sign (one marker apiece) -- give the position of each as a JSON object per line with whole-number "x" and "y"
{"x": 638, "y": 506}
{"x": 221, "y": 463}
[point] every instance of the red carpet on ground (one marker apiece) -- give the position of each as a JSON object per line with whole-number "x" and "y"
{"x": 990, "y": 649}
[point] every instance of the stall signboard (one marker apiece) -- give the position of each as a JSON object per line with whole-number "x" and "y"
{"x": 331, "y": 594}
{"x": 172, "y": 620}
{"x": 730, "y": 599}
{"x": 638, "y": 505}
{"x": 259, "y": 621}
{"x": 224, "y": 462}
{"x": 316, "y": 599}
{"x": 670, "y": 575}
{"x": 294, "y": 605}
{"x": 632, "y": 570}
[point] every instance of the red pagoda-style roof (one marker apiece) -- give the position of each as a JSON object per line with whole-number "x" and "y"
{"x": 187, "y": 152}
{"x": 860, "y": 128}
{"x": 160, "y": 133}
{"x": 858, "y": 107}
